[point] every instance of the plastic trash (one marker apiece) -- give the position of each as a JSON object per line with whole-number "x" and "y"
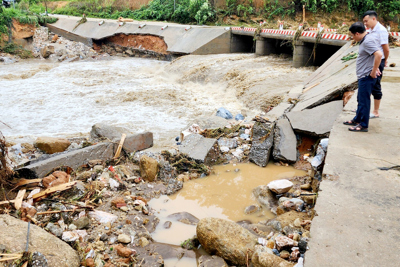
{"x": 224, "y": 113}
{"x": 321, "y": 152}
{"x": 103, "y": 217}
{"x": 239, "y": 117}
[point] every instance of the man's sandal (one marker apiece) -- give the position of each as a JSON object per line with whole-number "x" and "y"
{"x": 351, "y": 122}
{"x": 358, "y": 128}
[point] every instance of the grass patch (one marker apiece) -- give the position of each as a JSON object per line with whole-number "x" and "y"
{"x": 17, "y": 50}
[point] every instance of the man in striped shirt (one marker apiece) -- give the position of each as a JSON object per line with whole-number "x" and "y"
{"x": 370, "y": 20}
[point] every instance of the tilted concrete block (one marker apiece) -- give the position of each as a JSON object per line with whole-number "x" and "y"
{"x": 198, "y": 147}
{"x": 263, "y": 139}
{"x": 73, "y": 159}
{"x": 285, "y": 142}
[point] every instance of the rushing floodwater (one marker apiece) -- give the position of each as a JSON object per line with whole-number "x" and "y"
{"x": 40, "y": 98}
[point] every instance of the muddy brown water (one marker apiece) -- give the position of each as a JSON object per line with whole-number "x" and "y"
{"x": 224, "y": 194}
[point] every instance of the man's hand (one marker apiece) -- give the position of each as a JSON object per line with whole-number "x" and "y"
{"x": 386, "y": 63}
{"x": 375, "y": 74}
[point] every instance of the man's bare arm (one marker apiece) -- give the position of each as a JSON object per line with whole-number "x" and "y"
{"x": 377, "y": 61}
{"x": 385, "y": 49}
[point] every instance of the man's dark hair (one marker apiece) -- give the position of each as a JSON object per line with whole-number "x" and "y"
{"x": 370, "y": 13}
{"x": 357, "y": 27}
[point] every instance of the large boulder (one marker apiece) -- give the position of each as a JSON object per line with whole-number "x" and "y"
{"x": 262, "y": 257}
{"x": 148, "y": 168}
{"x": 52, "y": 145}
{"x": 263, "y": 139}
{"x": 13, "y": 236}
{"x": 47, "y": 51}
{"x": 226, "y": 239}
{"x": 285, "y": 142}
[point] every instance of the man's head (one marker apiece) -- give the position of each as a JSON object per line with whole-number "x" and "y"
{"x": 370, "y": 19}
{"x": 357, "y": 31}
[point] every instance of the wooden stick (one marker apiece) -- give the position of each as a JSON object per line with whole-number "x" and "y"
{"x": 304, "y": 13}
{"x": 312, "y": 86}
{"x": 120, "y": 146}
{"x": 53, "y": 189}
{"x": 19, "y": 198}
{"x": 9, "y": 259}
{"x": 55, "y": 211}
{"x": 7, "y": 202}
{"x": 10, "y": 254}
{"x": 23, "y": 182}
{"x": 32, "y": 219}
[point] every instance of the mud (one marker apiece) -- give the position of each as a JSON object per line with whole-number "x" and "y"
{"x": 146, "y": 42}
{"x": 212, "y": 197}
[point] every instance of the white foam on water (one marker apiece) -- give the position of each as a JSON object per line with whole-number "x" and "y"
{"x": 42, "y": 98}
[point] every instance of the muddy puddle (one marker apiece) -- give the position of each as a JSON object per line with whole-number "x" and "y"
{"x": 224, "y": 194}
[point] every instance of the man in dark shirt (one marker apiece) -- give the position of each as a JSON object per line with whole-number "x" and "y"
{"x": 367, "y": 69}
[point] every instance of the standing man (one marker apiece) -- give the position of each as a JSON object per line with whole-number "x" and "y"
{"x": 367, "y": 68}
{"x": 370, "y": 19}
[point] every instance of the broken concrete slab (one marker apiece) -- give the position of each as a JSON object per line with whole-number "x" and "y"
{"x": 285, "y": 142}
{"x": 113, "y": 133}
{"x": 137, "y": 142}
{"x": 330, "y": 82}
{"x": 133, "y": 142}
{"x": 278, "y": 111}
{"x": 73, "y": 159}
{"x": 198, "y": 147}
{"x": 263, "y": 139}
{"x": 317, "y": 121}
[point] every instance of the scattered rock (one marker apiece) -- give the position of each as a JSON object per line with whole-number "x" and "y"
{"x": 82, "y": 222}
{"x": 262, "y": 257}
{"x": 280, "y": 186}
{"x": 167, "y": 224}
{"x": 263, "y": 137}
{"x": 228, "y": 142}
{"x": 226, "y": 239}
{"x": 148, "y": 168}
{"x": 51, "y": 145}
{"x": 123, "y": 251}
{"x": 123, "y": 238}
{"x": 46, "y": 51}
{"x": 224, "y": 113}
{"x": 184, "y": 217}
{"x": 143, "y": 242}
{"x": 284, "y": 241}
{"x": 265, "y": 197}
{"x": 211, "y": 261}
{"x": 252, "y": 209}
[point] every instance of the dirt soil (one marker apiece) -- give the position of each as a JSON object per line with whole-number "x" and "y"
{"x": 147, "y": 42}
{"x": 56, "y": 4}
{"x": 22, "y": 31}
